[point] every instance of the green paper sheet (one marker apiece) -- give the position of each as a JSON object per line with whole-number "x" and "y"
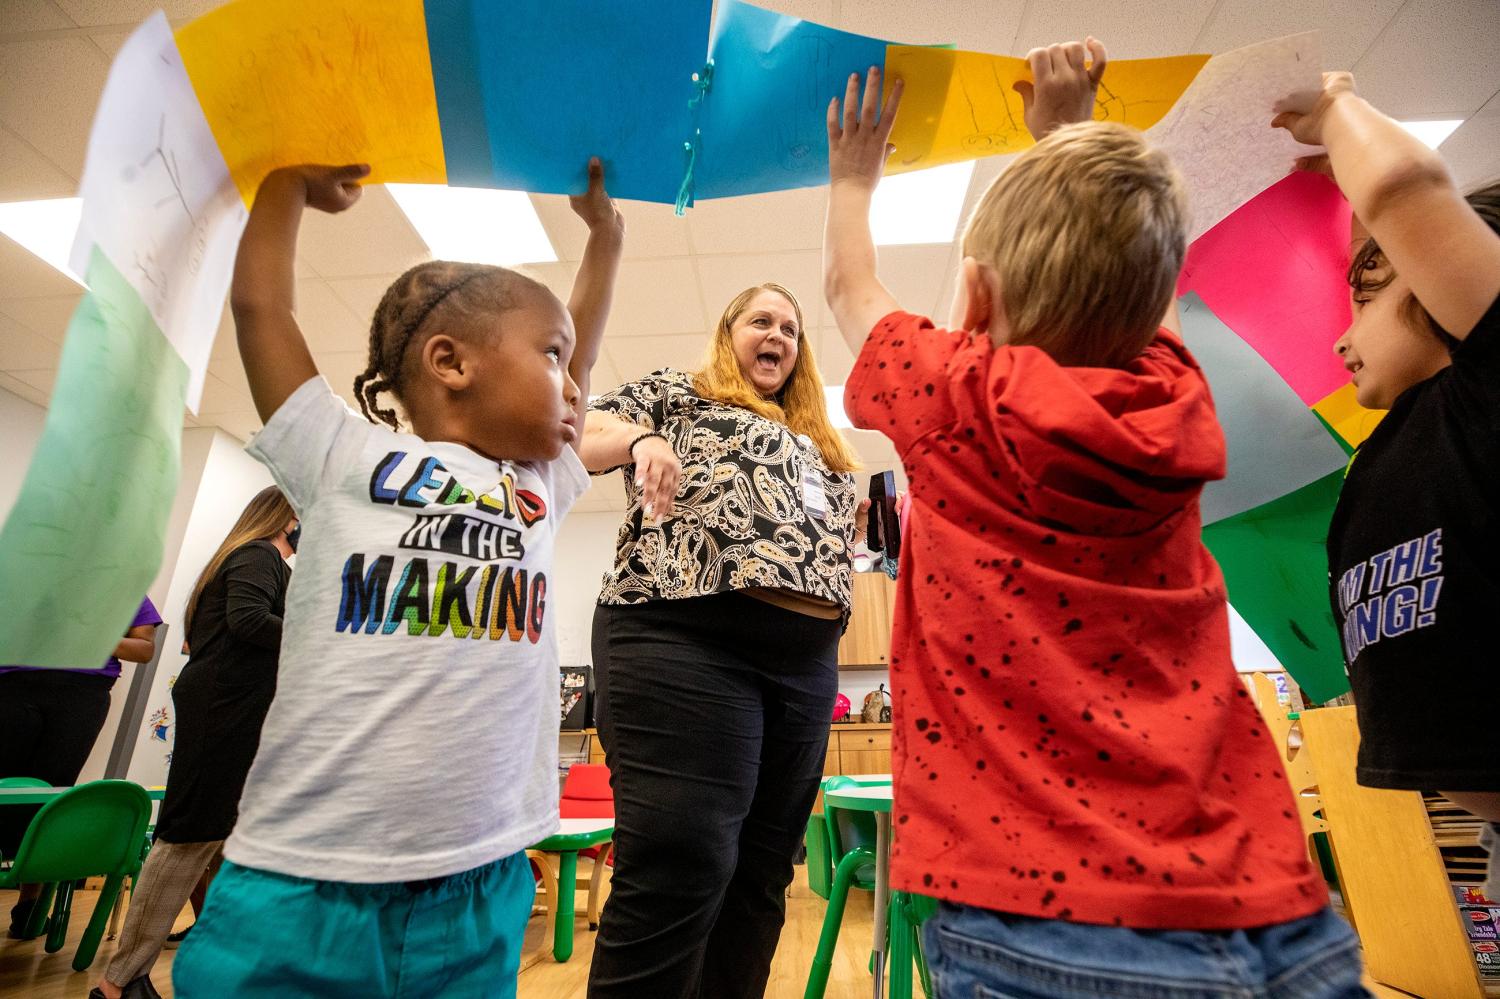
{"x": 85, "y": 537}
{"x": 1275, "y": 563}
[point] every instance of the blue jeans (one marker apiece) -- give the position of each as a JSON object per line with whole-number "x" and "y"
{"x": 978, "y": 954}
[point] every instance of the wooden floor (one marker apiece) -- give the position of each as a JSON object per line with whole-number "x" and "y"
{"x": 27, "y": 970}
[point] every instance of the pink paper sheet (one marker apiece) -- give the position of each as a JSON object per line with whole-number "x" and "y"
{"x": 1274, "y": 273}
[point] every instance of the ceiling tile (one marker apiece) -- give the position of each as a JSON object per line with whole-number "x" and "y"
{"x": 373, "y": 237}
{"x": 645, "y": 354}
{"x": 47, "y": 316}
{"x": 31, "y": 15}
{"x": 558, "y": 277}
{"x": 976, "y": 25}
{"x": 48, "y": 90}
{"x": 219, "y": 396}
{"x": 651, "y": 230}
{"x": 835, "y": 360}
{"x": 604, "y": 376}
{"x": 93, "y": 13}
{"x": 820, "y": 11}
{"x": 916, "y": 275}
{"x": 1425, "y": 64}
{"x": 783, "y": 220}
{"x": 1346, "y": 27}
{"x": 656, "y": 296}
{"x": 110, "y": 42}
{"x": 1473, "y": 152}
{"x": 361, "y": 295}
{"x": 19, "y": 388}
{"x": 242, "y": 425}
{"x": 27, "y": 175}
{"x": 724, "y": 277}
{"x": 326, "y": 321}
{"x": 40, "y": 379}
{"x": 21, "y": 349}
{"x": 339, "y": 369}
{"x": 1132, "y": 29}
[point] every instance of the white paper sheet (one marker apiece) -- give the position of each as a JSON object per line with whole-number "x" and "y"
{"x": 157, "y": 198}
{"x": 1219, "y": 132}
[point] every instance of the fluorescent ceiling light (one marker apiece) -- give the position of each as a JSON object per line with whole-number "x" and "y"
{"x": 475, "y": 225}
{"x": 920, "y": 207}
{"x": 46, "y": 228}
{"x": 1432, "y": 133}
{"x": 835, "y": 396}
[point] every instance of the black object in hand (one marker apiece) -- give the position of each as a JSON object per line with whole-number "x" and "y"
{"x": 884, "y": 530}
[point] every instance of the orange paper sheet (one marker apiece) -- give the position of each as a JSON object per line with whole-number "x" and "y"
{"x": 335, "y": 81}
{"x": 960, "y": 106}
{"x": 1348, "y": 418}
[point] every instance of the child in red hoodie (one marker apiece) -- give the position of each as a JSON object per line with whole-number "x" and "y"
{"x": 1079, "y": 774}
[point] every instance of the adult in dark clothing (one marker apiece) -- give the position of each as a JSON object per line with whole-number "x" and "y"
{"x": 233, "y": 624}
{"x": 49, "y": 722}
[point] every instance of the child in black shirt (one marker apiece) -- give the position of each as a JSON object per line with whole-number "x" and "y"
{"x": 1414, "y": 547}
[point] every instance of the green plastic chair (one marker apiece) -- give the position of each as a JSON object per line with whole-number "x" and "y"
{"x": 819, "y": 858}
{"x": 849, "y": 837}
{"x": 93, "y": 829}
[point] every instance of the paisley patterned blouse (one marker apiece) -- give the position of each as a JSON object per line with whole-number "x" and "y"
{"x": 741, "y": 519}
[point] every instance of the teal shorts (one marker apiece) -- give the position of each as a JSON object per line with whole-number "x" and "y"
{"x": 265, "y": 934}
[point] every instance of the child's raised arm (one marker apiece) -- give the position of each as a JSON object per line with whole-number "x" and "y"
{"x": 263, "y": 294}
{"x": 595, "y": 285}
{"x": 858, "y": 147}
{"x": 1404, "y": 195}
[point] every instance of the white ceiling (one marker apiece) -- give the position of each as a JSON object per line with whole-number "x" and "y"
{"x": 1414, "y": 58}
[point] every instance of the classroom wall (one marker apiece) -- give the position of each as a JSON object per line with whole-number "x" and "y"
{"x": 226, "y": 480}
{"x": 22, "y": 421}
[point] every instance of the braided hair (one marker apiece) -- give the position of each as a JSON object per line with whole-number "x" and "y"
{"x": 435, "y": 286}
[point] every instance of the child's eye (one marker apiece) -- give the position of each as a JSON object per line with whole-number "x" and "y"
{"x": 554, "y": 353}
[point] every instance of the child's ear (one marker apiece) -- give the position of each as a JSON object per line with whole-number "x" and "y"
{"x": 445, "y": 360}
{"x": 979, "y": 286}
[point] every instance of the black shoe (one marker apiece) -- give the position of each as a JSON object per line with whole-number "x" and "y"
{"x": 173, "y": 939}
{"x": 140, "y": 988}
{"x": 20, "y": 915}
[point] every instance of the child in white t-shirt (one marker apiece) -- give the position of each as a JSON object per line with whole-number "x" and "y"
{"x": 410, "y": 756}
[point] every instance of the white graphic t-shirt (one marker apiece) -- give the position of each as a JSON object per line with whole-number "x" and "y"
{"x": 414, "y": 730}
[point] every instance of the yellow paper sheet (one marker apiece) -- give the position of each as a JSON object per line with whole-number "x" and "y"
{"x": 1348, "y": 418}
{"x": 331, "y": 81}
{"x": 960, "y": 106}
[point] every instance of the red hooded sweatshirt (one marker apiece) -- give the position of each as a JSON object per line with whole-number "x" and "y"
{"x": 1070, "y": 740}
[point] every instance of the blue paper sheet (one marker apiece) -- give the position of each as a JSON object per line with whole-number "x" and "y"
{"x": 500, "y": 83}
{"x": 764, "y": 121}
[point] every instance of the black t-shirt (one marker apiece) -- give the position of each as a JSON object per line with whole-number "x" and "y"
{"x": 1414, "y": 577}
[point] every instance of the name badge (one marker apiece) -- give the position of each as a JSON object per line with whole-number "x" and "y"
{"x": 813, "y": 496}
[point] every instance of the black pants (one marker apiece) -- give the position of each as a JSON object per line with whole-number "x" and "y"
{"x": 49, "y": 720}
{"x": 714, "y": 715}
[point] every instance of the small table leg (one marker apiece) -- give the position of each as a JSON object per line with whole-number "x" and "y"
{"x": 567, "y": 888}
{"x": 882, "y": 894}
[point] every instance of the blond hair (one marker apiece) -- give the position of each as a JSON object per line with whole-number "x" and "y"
{"x": 262, "y": 519}
{"x": 1087, "y": 232}
{"x": 800, "y": 405}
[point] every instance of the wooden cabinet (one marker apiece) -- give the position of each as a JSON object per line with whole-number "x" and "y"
{"x": 856, "y": 749}
{"x": 867, "y": 751}
{"x": 867, "y": 642}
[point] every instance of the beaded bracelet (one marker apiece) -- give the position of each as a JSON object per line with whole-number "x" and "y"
{"x": 631, "y": 449}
